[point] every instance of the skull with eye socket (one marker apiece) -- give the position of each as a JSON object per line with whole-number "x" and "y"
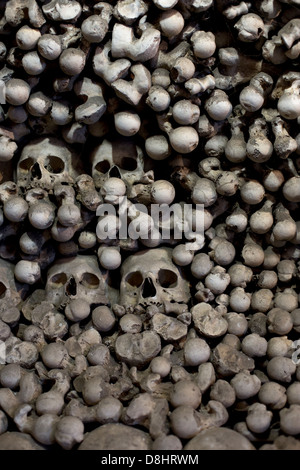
{"x": 150, "y": 277}
{"x": 45, "y": 162}
{"x": 119, "y": 159}
{"x": 76, "y": 278}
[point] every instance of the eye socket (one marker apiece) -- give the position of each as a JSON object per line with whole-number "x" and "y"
{"x": 90, "y": 281}
{"x": 167, "y": 278}
{"x": 54, "y": 164}
{"x": 59, "y": 279}
{"x": 127, "y": 163}
{"x": 26, "y": 164}
{"x": 134, "y": 279}
{"x": 125, "y": 156}
{"x": 2, "y": 290}
{"x": 103, "y": 167}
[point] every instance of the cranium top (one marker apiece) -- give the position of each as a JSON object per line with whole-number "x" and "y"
{"x": 45, "y": 162}
{"x": 151, "y": 278}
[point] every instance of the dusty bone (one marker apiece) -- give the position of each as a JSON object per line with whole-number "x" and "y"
{"x": 121, "y": 159}
{"x": 11, "y": 290}
{"x": 137, "y": 349}
{"x": 78, "y": 277}
{"x": 94, "y": 106}
{"x": 163, "y": 282}
{"x": 107, "y": 69}
{"x": 124, "y": 43}
{"x": 129, "y": 11}
{"x": 60, "y": 10}
{"x": 132, "y": 91}
{"x": 16, "y": 10}
{"x": 47, "y": 161}
{"x": 86, "y": 192}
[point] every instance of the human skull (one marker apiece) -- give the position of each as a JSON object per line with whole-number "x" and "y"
{"x": 151, "y": 278}
{"x": 45, "y": 162}
{"x": 121, "y": 159}
{"x": 76, "y": 278}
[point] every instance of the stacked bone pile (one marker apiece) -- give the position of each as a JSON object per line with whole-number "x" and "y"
{"x": 149, "y": 342}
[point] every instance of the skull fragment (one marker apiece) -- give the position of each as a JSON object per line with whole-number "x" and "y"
{"x": 151, "y": 278}
{"x": 76, "y": 278}
{"x": 45, "y": 162}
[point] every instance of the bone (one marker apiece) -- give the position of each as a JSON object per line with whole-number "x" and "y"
{"x": 140, "y": 334}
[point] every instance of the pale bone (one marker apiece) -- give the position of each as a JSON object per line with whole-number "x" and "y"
{"x": 62, "y": 381}
{"x": 234, "y": 68}
{"x": 29, "y": 391}
{"x": 48, "y": 431}
{"x": 62, "y": 233}
{"x": 78, "y": 277}
{"x": 62, "y": 10}
{"x": 128, "y": 11}
{"x": 8, "y": 189}
{"x": 249, "y": 27}
{"x": 284, "y": 144}
{"x": 100, "y": 375}
{"x": 109, "y": 70}
{"x": 148, "y": 411}
{"x": 45, "y": 252}
{"x": 87, "y": 193}
{"x": 17, "y": 10}
{"x": 41, "y": 156}
{"x": 38, "y": 199}
{"x": 75, "y": 133}
{"x": 188, "y": 423}
{"x": 167, "y": 60}
{"x": 259, "y": 147}
{"x": 269, "y": 9}
{"x": 65, "y": 196}
{"x": 285, "y": 44}
{"x": 11, "y": 290}
{"x": 200, "y": 85}
{"x": 94, "y": 105}
{"x": 125, "y": 44}
{"x": 132, "y": 91}
{"x": 151, "y": 278}
{"x": 45, "y": 317}
{"x": 121, "y": 159}
{"x": 288, "y": 37}
{"x": 284, "y": 83}
{"x": 190, "y": 7}
{"x": 70, "y": 35}
{"x": 236, "y": 10}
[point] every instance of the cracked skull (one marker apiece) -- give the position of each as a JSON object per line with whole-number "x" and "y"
{"x": 151, "y": 278}
{"x": 119, "y": 159}
{"x": 76, "y": 278}
{"x": 45, "y": 162}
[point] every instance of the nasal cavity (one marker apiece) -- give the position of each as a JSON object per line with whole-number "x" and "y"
{"x": 148, "y": 288}
{"x": 114, "y": 172}
{"x": 71, "y": 288}
{"x": 36, "y": 171}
